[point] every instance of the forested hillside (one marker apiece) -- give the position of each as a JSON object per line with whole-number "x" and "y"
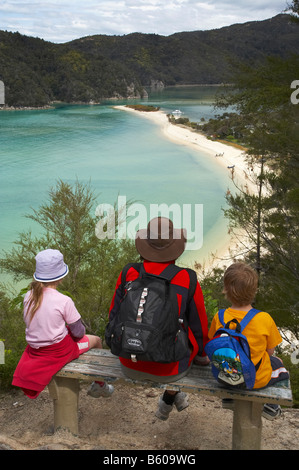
{"x": 36, "y": 72}
{"x": 199, "y": 57}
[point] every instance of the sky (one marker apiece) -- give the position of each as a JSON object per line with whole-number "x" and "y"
{"x": 64, "y": 20}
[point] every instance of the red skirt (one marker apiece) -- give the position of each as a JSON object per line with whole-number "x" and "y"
{"x": 37, "y": 366}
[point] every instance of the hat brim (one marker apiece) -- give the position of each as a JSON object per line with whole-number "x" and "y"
{"x": 169, "y": 253}
{"x": 61, "y": 276}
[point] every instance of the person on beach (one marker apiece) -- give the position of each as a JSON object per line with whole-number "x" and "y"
{"x": 240, "y": 287}
{"x": 159, "y": 246}
{"x": 55, "y": 334}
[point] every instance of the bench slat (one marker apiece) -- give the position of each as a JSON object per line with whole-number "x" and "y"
{"x": 100, "y": 364}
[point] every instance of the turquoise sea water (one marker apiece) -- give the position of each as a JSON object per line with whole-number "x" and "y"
{"x": 118, "y": 152}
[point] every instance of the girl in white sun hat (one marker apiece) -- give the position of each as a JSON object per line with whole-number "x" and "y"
{"x": 55, "y": 334}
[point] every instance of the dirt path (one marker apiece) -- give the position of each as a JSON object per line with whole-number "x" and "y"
{"x": 126, "y": 421}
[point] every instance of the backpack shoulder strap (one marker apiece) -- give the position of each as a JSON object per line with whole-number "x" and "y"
{"x": 171, "y": 270}
{"x": 248, "y": 317}
{"x": 193, "y": 283}
{"x": 221, "y": 316}
{"x": 126, "y": 269}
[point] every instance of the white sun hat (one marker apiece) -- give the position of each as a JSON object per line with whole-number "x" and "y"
{"x": 50, "y": 266}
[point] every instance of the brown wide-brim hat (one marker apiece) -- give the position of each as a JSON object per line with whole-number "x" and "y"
{"x": 160, "y": 241}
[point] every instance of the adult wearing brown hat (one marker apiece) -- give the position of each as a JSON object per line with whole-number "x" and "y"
{"x": 159, "y": 245}
{"x": 160, "y": 241}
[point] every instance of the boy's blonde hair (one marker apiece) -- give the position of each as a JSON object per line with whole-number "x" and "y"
{"x": 240, "y": 284}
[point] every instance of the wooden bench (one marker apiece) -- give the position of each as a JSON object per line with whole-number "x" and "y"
{"x": 100, "y": 364}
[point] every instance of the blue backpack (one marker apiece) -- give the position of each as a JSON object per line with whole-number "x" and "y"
{"x": 229, "y": 353}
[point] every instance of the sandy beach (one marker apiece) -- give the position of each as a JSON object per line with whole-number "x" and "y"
{"x": 220, "y": 250}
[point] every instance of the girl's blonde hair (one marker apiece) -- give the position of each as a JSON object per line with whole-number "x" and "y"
{"x": 36, "y": 297}
{"x": 240, "y": 284}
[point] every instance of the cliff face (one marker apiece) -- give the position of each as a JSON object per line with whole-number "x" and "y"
{"x": 36, "y": 72}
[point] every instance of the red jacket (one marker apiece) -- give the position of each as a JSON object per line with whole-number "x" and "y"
{"x": 37, "y": 366}
{"x": 196, "y": 316}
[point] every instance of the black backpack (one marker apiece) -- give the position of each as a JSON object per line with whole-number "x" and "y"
{"x": 147, "y": 326}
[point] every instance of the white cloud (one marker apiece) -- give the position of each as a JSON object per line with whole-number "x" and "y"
{"x": 61, "y": 21}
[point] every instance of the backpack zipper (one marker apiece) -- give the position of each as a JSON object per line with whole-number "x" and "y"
{"x": 142, "y": 302}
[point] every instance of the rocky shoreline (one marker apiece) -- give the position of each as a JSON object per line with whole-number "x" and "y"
{"x": 25, "y": 108}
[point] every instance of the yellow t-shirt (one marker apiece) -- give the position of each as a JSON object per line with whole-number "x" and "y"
{"x": 261, "y": 333}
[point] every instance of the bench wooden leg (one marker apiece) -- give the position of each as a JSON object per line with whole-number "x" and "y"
{"x": 247, "y": 425}
{"x": 65, "y": 395}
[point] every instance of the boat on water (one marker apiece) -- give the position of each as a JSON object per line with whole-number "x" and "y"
{"x": 177, "y": 112}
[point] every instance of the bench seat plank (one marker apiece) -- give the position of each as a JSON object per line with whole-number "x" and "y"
{"x": 100, "y": 364}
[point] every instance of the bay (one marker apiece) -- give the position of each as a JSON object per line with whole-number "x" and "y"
{"x": 118, "y": 152}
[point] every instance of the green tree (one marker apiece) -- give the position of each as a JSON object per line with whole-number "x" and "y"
{"x": 293, "y": 9}
{"x": 66, "y": 223}
{"x": 270, "y": 216}
{"x": 13, "y": 337}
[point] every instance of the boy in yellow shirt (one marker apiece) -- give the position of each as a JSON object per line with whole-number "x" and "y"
{"x": 240, "y": 287}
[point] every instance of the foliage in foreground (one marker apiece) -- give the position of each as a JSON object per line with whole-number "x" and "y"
{"x": 67, "y": 224}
